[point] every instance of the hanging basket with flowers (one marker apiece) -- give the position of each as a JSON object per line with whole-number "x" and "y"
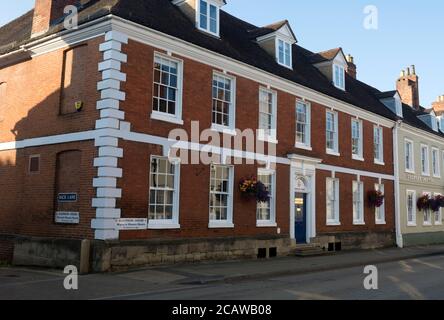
{"x": 439, "y": 201}
{"x": 251, "y": 187}
{"x": 424, "y": 203}
{"x": 375, "y": 198}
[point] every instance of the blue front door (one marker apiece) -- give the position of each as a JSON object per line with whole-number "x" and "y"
{"x": 300, "y": 210}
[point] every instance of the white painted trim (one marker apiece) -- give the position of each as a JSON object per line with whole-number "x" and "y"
{"x": 48, "y": 140}
{"x": 355, "y": 172}
{"x": 155, "y": 115}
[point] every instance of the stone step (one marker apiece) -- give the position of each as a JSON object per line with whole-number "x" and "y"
{"x": 306, "y": 250}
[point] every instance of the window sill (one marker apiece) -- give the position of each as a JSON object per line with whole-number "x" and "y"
{"x": 220, "y": 225}
{"x": 438, "y": 224}
{"x": 304, "y": 147}
{"x": 284, "y": 65}
{"x": 163, "y": 226}
{"x": 412, "y": 225}
{"x": 379, "y": 163}
{"x": 224, "y": 130}
{"x": 428, "y": 224}
{"x": 358, "y": 158}
{"x": 410, "y": 171}
{"x": 425, "y": 174}
{"x": 359, "y": 223}
{"x": 380, "y": 223}
{"x": 333, "y": 224}
{"x": 167, "y": 118}
{"x": 436, "y": 177}
{"x": 333, "y": 153}
{"x": 266, "y": 224}
{"x": 268, "y": 139}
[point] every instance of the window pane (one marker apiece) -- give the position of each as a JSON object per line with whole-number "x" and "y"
{"x": 221, "y": 100}
{"x": 203, "y": 15}
{"x": 165, "y": 85}
{"x": 161, "y": 189}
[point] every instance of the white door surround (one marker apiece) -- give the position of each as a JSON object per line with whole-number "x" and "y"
{"x": 303, "y": 180}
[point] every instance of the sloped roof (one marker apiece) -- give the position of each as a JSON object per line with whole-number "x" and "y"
{"x": 236, "y": 43}
{"x": 16, "y": 32}
{"x": 327, "y": 55}
{"x": 262, "y": 31}
{"x": 387, "y": 94}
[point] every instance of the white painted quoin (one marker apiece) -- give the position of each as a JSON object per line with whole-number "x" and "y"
{"x": 107, "y": 143}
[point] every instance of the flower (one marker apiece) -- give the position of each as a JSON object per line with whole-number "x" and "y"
{"x": 252, "y": 187}
{"x": 424, "y": 203}
{"x": 376, "y": 198}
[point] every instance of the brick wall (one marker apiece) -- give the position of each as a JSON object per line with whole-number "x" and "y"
{"x": 28, "y": 205}
{"x": 33, "y": 101}
{"x": 197, "y": 106}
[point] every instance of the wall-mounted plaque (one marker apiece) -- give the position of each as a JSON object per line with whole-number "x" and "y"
{"x": 67, "y": 197}
{"x": 64, "y": 217}
{"x": 132, "y": 224}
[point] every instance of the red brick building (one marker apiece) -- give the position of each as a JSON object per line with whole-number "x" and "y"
{"x": 85, "y": 116}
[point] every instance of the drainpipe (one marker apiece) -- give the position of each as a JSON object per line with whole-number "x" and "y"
{"x": 399, "y": 240}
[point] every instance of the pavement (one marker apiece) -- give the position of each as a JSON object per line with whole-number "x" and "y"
{"x": 172, "y": 282}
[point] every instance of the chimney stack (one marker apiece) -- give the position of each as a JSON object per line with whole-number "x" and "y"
{"x": 46, "y": 12}
{"x": 408, "y": 87}
{"x": 351, "y": 66}
{"x": 438, "y": 105}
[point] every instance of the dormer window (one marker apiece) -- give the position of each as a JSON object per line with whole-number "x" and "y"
{"x": 284, "y": 53}
{"x": 208, "y": 17}
{"x": 277, "y": 40}
{"x": 339, "y": 76}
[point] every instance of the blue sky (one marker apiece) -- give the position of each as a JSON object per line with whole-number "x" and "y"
{"x": 409, "y": 32}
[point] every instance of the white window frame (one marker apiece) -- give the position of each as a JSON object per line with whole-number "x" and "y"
{"x": 272, "y": 221}
{"x": 360, "y": 155}
{"x": 358, "y": 220}
{"x": 380, "y": 160}
{"x": 413, "y": 222}
{"x": 425, "y": 171}
{"x": 162, "y": 116}
{"x": 409, "y": 167}
{"x": 436, "y": 165}
{"x": 284, "y": 43}
{"x": 429, "y": 213}
{"x": 437, "y": 217}
{"x": 381, "y": 209}
{"x": 262, "y": 135}
{"x": 174, "y": 222}
{"x": 339, "y": 83}
{"x": 335, "y": 150}
{"x": 228, "y": 223}
{"x": 208, "y": 29}
{"x": 307, "y": 144}
{"x": 337, "y": 218}
{"x": 231, "y": 128}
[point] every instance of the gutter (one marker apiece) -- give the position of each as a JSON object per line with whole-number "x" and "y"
{"x": 19, "y": 55}
{"x": 399, "y": 239}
